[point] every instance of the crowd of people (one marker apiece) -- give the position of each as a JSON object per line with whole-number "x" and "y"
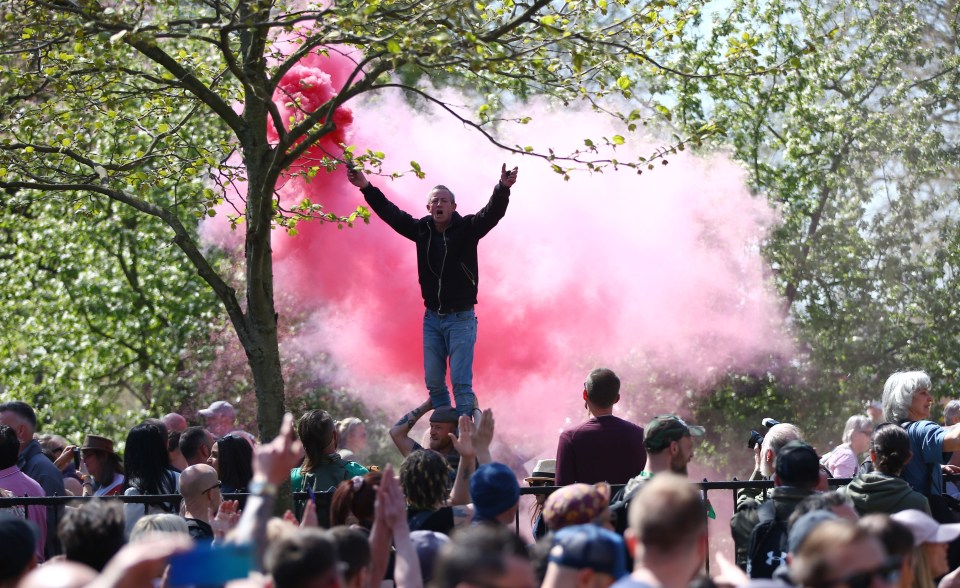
{"x": 446, "y": 517}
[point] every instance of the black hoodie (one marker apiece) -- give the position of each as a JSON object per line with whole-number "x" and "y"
{"x": 447, "y": 261}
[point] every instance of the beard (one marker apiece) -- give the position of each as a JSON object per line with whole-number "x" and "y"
{"x": 678, "y": 464}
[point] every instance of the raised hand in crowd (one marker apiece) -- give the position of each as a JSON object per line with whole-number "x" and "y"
{"x": 272, "y": 463}
{"x": 65, "y": 458}
{"x": 309, "y": 515}
{"x": 226, "y": 519}
{"x": 390, "y": 498}
{"x": 139, "y": 564}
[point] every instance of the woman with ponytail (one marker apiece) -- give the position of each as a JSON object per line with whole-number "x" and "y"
{"x": 883, "y": 490}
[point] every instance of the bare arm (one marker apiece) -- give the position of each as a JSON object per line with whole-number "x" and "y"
{"x": 460, "y": 494}
{"x": 391, "y": 501}
{"x": 272, "y": 463}
{"x": 380, "y": 532}
{"x": 400, "y": 432}
{"x": 483, "y": 436}
{"x": 951, "y": 438}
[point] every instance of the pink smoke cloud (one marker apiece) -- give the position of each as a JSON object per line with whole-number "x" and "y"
{"x": 660, "y": 271}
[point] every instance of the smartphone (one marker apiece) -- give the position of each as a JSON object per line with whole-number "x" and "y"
{"x": 76, "y": 458}
{"x": 207, "y": 565}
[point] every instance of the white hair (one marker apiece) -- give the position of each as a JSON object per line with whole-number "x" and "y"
{"x": 778, "y": 436}
{"x": 951, "y": 412}
{"x": 898, "y": 394}
{"x": 856, "y": 424}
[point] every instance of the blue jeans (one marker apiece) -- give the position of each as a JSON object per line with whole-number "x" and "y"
{"x": 450, "y": 336}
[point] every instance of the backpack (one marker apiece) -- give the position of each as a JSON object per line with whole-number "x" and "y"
{"x": 620, "y": 506}
{"x": 768, "y": 543}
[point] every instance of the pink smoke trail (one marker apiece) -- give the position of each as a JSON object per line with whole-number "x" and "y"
{"x": 641, "y": 273}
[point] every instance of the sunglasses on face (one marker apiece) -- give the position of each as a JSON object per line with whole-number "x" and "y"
{"x": 888, "y": 572}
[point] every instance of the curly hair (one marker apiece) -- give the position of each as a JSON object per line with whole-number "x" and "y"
{"x": 423, "y": 476}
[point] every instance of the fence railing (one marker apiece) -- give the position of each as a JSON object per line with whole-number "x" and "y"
{"x": 323, "y": 498}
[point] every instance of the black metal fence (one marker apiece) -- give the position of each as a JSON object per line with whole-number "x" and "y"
{"x": 323, "y": 498}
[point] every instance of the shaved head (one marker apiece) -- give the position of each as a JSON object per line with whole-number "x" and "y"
{"x": 197, "y": 479}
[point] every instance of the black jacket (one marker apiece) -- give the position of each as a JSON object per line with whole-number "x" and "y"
{"x": 447, "y": 261}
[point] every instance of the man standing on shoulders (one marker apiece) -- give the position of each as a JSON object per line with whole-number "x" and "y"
{"x": 448, "y": 271}
{"x": 605, "y": 448}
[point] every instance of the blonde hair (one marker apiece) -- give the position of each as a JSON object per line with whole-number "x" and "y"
{"x": 158, "y": 523}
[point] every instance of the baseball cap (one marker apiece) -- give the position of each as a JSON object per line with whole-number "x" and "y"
{"x": 427, "y": 544}
{"x": 218, "y": 407}
{"x": 804, "y": 525}
{"x": 493, "y": 489}
{"x": 575, "y": 504}
{"x": 925, "y": 528}
{"x": 445, "y": 414}
{"x": 797, "y": 465}
{"x": 590, "y": 546}
{"x": 666, "y": 428}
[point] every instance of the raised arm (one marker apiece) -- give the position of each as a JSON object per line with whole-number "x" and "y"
{"x": 272, "y": 463}
{"x": 391, "y": 214}
{"x": 391, "y": 505}
{"x": 488, "y": 216}
{"x": 951, "y": 438}
{"x": 460, "y": 494}
{"x": 400, "y": 432}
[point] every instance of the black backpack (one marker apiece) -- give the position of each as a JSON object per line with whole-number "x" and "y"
{"x": 768, "y": 543}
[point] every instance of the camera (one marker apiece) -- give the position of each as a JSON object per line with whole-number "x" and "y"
{"x": 76, "y": 457}
{"x": 755, "y": 437}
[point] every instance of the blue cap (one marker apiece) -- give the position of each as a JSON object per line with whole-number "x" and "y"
{"x": 493, "y": 490}
{"x": 590, "y": 546}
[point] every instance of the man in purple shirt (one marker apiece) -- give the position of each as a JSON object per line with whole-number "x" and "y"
{"x": 605, "y": 448}
{"x": 21, "y": 485}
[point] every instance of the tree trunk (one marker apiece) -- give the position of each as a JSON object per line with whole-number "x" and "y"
{"x": 263, "y": 351}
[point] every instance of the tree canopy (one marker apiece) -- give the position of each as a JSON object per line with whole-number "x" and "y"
{"x": 169, "y": 107}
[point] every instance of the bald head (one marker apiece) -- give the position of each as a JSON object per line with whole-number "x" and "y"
{"x": 174, "y": 422}
{"x": 59, "y": 574}
{"x": 197, "y": 479}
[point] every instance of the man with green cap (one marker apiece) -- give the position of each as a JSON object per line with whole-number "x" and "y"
{"x": 668, "y": 440}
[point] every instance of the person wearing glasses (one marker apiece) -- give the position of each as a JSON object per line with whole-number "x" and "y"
{"x": 449, "y": 276}
{"x": 200, "y": 488}
{"x": 104, "y": 469}
{"x": 60, "y": 452}
{"x": 839, "y": 554}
